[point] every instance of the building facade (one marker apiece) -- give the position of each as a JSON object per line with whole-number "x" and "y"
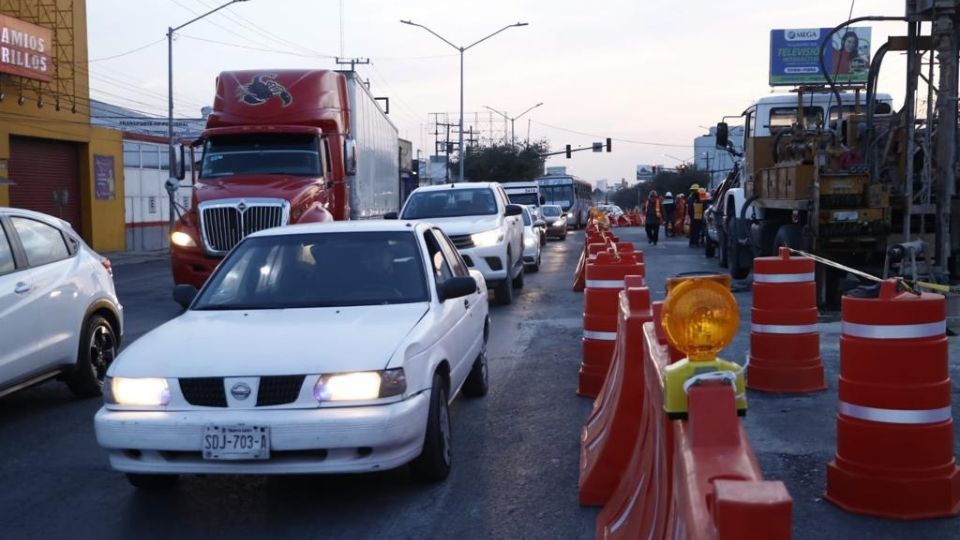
{"x": 51, "y": 158}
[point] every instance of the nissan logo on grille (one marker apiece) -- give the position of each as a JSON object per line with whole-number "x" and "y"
{"x": 240, "y": 391}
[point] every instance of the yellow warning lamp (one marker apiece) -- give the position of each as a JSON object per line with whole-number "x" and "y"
{"x": 700, "y": 317}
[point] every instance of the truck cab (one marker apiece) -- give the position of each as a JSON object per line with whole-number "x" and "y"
{"x": 280, "y": 148}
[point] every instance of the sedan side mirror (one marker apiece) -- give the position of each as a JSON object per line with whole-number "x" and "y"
{"x": 513, "y": 210}
{"x": 457, "y": 287}
{"x": 184, "y": 295}
{"x": 391, "y": 215}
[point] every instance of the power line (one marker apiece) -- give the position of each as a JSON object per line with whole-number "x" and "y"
{"x": 131, "y": 51}
{"x": 628, "y": 141}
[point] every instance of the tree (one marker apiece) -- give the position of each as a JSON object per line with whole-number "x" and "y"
{"x": 503, "y": 162}
{"x": 674, "y": 181}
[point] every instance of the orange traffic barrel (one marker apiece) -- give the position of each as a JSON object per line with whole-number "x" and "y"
{"x": 784, "y": 336}
{"x": 894, "y": 425}
{"x": 604, "y": 281}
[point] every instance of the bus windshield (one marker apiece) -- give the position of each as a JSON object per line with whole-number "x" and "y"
{"x": 561, "y": 195}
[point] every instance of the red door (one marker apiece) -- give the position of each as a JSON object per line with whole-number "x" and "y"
{"x": 46, "y": 176}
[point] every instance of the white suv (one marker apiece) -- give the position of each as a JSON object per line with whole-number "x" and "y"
{"x": 481, "y": 222}
{"x": 59, "y": 313}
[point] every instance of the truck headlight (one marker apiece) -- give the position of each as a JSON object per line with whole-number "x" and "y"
{"x": 143, "y": 391}
{"x": 182, "y": 239}
{"x": 487, "y": 238}
{"x": 360, "y": 385}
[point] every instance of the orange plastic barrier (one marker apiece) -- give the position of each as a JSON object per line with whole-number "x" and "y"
{"x": 587, "y": 258}
{"x": 696, "y": 478}
{"x": 604, "y": 281}
{"x": 894, "y": 425}
{"x": 784, "y": 337}
{"x": 612, "y": 425}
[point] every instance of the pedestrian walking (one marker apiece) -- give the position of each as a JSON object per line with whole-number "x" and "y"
{"x": 653, "y": 214}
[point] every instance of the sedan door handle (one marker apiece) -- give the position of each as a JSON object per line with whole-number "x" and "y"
{"x": 22, "y": 288}
{"x": 466, "y": 303}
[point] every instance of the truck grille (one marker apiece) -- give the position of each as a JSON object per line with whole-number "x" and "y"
{"x": 210, "y": 391}
{"x": 462, "y": 241}
{"x": 224, "y": 223}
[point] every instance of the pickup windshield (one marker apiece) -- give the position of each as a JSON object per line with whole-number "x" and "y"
{"x": 450, "y": 203}
{"x": 287, "y": 154}
{"x": 318, "y": 270}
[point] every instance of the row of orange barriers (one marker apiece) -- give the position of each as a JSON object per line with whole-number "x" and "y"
{"x": 697, "y": 477}
{"x": 656, "y": 477}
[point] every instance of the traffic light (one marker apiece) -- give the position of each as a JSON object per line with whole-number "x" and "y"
{"x": 609, "y": 144}
{"x": 568, "y": 151}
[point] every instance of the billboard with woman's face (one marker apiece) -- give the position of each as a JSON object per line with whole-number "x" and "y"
{"x": 794, "y": 56}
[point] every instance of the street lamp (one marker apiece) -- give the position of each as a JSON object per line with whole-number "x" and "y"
{"x": 173, "y": 183}
{"x": 513, "y": 133}
{"x": 462, "y": 50}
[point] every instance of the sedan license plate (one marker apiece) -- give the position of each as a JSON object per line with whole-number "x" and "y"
{"x": 236, "y": 442}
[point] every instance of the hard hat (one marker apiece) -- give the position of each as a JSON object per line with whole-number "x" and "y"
{"x": 694, "y": 187}
{"x": 653, "y": 193}
{"x": 669, "y": 194}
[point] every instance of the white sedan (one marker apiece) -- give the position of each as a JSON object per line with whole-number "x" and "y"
{"x": 326, "y": 348}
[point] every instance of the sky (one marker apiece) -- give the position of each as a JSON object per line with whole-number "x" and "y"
{"x": 651, "y": 74}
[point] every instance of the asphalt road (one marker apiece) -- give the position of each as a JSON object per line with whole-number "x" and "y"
{"x": 516, "y": 451}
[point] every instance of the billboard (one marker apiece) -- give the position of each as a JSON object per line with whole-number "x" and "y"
{"x": 794, "y": 56}
{"x": 645, "y": 173}
{"x": 25, "y": 49}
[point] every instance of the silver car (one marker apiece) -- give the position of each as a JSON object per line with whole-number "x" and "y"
{"x": 532, "y": 240}
{"x": 556, "y": 221}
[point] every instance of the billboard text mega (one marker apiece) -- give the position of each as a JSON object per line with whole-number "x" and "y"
{"x": 795, "y": 56}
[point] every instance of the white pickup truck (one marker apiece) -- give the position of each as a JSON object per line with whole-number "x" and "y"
{"x": 483, "y": 225}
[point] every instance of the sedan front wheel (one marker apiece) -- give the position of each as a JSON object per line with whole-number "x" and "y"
{"x": 433, "y": 463}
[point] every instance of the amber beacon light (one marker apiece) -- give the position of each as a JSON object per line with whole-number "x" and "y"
{"x": 700, "y": 317}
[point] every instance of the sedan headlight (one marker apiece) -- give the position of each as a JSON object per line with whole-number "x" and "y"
{"x": 360, "y": 385}
{"x": 487, "y": 238}
{"x": 142, "y": 391}
{"x": 182, "y": 239}
{"x": 569, "y": 215}
{"x": 529, "y": 241}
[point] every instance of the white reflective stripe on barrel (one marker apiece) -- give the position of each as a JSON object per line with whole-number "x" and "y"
{"x": 603, "y": 336}
{"x": 895, "y": 416}
{"x": 604, "y": 283}
{"x": 784, "y": 328}
{"x": 895, "y": 331}
{"x": 783, "y": 278}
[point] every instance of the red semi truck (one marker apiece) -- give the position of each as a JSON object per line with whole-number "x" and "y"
{"x": 284, "y": 147}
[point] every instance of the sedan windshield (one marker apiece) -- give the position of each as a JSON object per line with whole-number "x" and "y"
{"x": 551, "y": 211}
{"x": 288, "y": 154}
{"x": 450, "y": 203}
{"x": 318, "y": 270}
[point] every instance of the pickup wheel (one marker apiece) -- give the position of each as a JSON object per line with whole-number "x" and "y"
{"x": 98, "y": 348}
{"x": 733, "y": 258}
{"x": 723, "y": 249}
{"x": 518, "y": 281}
{"x": 504, "y": 289}
{"x": 433, "y": 463}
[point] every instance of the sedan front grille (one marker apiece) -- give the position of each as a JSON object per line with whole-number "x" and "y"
{"x": 204, "y": 391}
{"x": 462, "y": 241}
{"x": 210, "y": 391}
{"x": 279, "y": 390}
{"x": 225, "y": 224}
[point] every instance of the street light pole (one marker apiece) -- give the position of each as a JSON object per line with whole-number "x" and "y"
{"x": 462, "y": 50}
{"x": 513, "y": 133}
{"x": 173, "y": 183}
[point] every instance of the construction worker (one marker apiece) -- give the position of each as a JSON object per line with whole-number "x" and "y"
{"x": 696, "y": 215}
{"x": 680, "y": 213}
{"x": 652, "y": 214}
{"x": 668, "y": 211}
